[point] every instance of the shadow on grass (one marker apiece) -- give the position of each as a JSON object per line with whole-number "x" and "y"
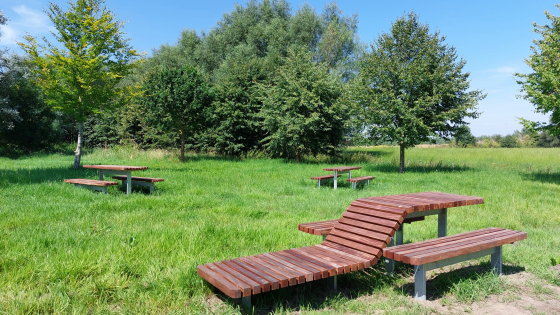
{"x": 542, "y": 176}
{"x": 41, "y": 175}
{"x": 315, "y": 295}
{"x": 417, "y": 168}
{"x": 448, "y": 282}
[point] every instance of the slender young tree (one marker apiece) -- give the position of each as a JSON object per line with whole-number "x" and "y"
{"x": 412, "y": 88}
{"x": 82, "y": 74}
{"x": 542, "y": 87}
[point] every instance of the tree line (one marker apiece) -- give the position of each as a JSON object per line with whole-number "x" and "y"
{"x": 266, "y": 78}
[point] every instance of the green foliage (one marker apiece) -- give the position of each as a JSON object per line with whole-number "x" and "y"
{"x": 177, "y": 100}
{"x": 541, "y": 86}
{"x": 547, "y": 140}
{"x": 464, "y": 137}
{"x": 302, "y": 111}
{"x": 510, "y": 141}
{"x": 411, "y": 87}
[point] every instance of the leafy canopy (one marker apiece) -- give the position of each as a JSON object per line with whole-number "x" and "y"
{"x": 542, "y": 87}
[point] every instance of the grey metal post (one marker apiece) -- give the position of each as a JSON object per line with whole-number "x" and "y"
{"x": 349, "y": 174}
{"x": 399, "y": 235}
{"x": 368, "y": 182}
{"x": 128, "y": 183}
{"x": 100, "y": 174}
{"x": 318, "y": 183}
{"x": 324, "y": 237}
{"x": 442, "y": 223}
{"x": 496, "y": 261}
{"x": 390, "y": 263}
{"x": 335, "y": 175}
{"x": 333, "y": 283}
{"x": 354, "y": 185}
{"x": 419, "y": 283}
{"x": 246, "y": 300}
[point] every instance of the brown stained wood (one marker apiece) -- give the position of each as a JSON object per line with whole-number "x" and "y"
{"x": 245, "y": 288}
{"x": 116, "y": 167}
{"x": 283, "y": 279}
{"x": 219, "y": 282}
{"x": 398, "y": 205}
{"x": 274, "y": 265}
{"x": 368, "y": 226}
{"x": 90, "y": 182}
{"x": 309, "y": 275}
{"x": 354, "y": 245}
{"x": 324, "y": 177}
{"x": 450, "y": 246}
{"x": 319, "y": 263}
{"x": 388, "y": 252}
{"x": 255, "y": 286}
{"x": 363, "y": 232}
{"x": 273, "y": 282}
{"x": 397, "y": 211}
{"x": 347, "y": 249}
{"x": 317, "y": 228}
{"x": 318, "y": 271}
{"x": 360, "y": 179}
{"x": 140, "y": 179}
{"x": 363, "y": 262}
{"x": 378, "y": 214}
{"x": 343, "y": 265}
{"x": 342, "y": 168}
{"x": 264, "y": 283}
{"x": 374, "y": 220}
{"x": 359, "y": 238}
{"x": 424, "y": 259}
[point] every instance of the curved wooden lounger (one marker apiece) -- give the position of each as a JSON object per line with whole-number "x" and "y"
{"x": 355, "y": 242}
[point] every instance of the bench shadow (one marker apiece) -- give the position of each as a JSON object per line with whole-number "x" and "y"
{"x": 443, "y": 283}
{"x": 41, "y": 175}
{"x": 542, "y": 176}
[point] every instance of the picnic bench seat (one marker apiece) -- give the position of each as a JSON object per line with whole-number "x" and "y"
{"x": 320, "y": 178}
{"x": 324, "y": 227}
{"x": 99, "y": 185}
{"x": 140, "y": 181}
{"x": 444, "y": 251}
{"x": 356, "y": 180}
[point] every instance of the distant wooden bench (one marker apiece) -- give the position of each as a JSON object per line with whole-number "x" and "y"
{"x": 444, "y": 251}
{"x": 99, "y": 185}
{"x": 356, "y": 180}
{"x": 320, "y": 178}
{"x": 140, "y": 181}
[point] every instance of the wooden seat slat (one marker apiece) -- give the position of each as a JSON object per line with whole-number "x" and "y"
{"x": 265, "y": 284}
{"x": 378, "y": 214}
{"x": 368, "y": 226}
{"x": 255, "y": 286}
{"x": 359, "y": 179}
{"x": 326, "y": 265}
{"x": 386, "y": 203}
{"x": 372, "y": 206}
{"x": 140, "y": 179}
{"x": 254, "y": 273}
{"x": 283, "y": 279}
{"x": 299, "y": 276}
{"x": 366, "y": 233}
{"x": 358, "y": 238}
{"x": 90, "y": 182}
{"x": 343, "y": 266}
{"x": 369, "y": 219}
{"x": 219, "y": 282}
{"x": 318, "y": 271}
{"x": 363, "y": 262}
{"x": 324, "y": 177}
{"x": 354, "y": 245}
{"x": 244, "y": 287}
{"x": 349, "y": 250}
{"x": 309, "y": 275}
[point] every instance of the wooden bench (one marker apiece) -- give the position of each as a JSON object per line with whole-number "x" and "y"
{"x": 320, "y": 178}
{"x": 99, "y": 185}
{"x": 356, "y": 180}
{"x": 444, "y": 251}
{"x": 324, "y": 227}
{"x": 140, "y": 181}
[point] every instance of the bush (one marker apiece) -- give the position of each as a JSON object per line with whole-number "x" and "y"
{"x": 510, "y": 141}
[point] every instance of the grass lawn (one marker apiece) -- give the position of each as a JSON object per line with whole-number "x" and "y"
{"x": 69, "y": 250}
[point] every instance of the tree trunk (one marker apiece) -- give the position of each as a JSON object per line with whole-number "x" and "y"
{"x": 401, "y": 164}
{"x": 78, "y": 152}
{"x": 182, "y": 146}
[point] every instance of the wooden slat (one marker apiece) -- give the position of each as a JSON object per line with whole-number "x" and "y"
{"x": 354, "y": 245}
{"x": 325, "y": 265}
{"x": 318, "y": 271}
{"x": 366, "y": 233}
{"x": 274, "y": 283}
{"x": 374, "y": 220}
{"x": 360, "y": 179}
{"x": 219, "y": 282}
{"x": 373, "y": 206}
{"x": 287, "y": 265}
{"x": 359, "y": 238}
{"x": 299, "y": 276}
{"x": 283, "y": 279}
{"x": 245, "y": 288}
{"x": 385, "y": 203}
{"x": 90, "y": 182}
{"x": 116, "y": 167}
{"x": 324, "y": 177}
{"x": 345, "y": 255}
{"x": 264, "y": 283}
{"x": 379, "y": 214}
{"x": 368, "y": 226}
{"x": 343, "y": 265}
{"x": 255, "y": 286}
{"x": 140, "y": 179}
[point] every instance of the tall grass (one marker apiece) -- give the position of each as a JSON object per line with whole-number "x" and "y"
{"x": 69, "y": 250}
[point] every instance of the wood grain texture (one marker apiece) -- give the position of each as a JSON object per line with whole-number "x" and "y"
{"x": 140, "y": 179}
{"x": 324, "y": 177}
{"x": 116, "y": 167}
{"x": 90, "y": 182}
{"x": 359, "y": 179}
{"x": 342, "y": 168}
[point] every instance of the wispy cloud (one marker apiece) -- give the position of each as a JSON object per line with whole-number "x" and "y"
{"x": 24, "y": 21}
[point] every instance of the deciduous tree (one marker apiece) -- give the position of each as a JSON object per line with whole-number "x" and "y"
{"x": 81, "y": 75}
{"x": 412, "y": 87}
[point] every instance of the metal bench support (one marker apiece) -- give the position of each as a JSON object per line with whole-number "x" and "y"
{"x": 420, "y": 270}
{"x": 145, "y": 184}
{"x": 333, "y": 283}
{"x": 246, "y": 300}
{"x": 398, "y": 239}
{"x": 98, "y": 188}
{"x": 442, "y": 223}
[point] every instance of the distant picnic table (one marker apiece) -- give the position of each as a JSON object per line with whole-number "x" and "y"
{"x": 118, "y": 170}
{"x": 341, "y": 169}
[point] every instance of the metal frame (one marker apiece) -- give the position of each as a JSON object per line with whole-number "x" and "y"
{"x": 354, "y": 184}
{"x": 145, "y": 184}
{"x": 117, "y": 172}
{"x": 341, "y": 172}
{"x": 98, "y": 188}
{"x": 420, "y": 270}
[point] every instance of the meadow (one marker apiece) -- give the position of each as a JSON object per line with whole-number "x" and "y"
{"x": 75, "y": 251}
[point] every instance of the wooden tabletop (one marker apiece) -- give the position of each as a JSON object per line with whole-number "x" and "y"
{"x": 341, "y": 168}
{"x": 117, "y": 167}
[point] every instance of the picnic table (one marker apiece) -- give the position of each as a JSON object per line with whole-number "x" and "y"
{"x": 341, "y": 169}
{"x": 118, "y": 170}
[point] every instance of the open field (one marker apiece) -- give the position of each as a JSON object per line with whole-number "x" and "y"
{"x": 69, "y": 250}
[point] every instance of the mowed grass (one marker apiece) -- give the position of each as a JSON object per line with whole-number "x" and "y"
{"x": 69, "y": 250}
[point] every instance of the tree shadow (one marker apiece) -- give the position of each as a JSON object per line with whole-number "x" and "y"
{"x": 41, "y": 175}
{"x": 417, "y": 168}
{"x": 542, "y": 176}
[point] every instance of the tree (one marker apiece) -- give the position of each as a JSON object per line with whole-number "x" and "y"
{"x": 82, "y": 76}
{"x": 178, "y": 99}
{"x": 542, "y": 87}
{"x": 411, "y": 87}
{"x": 464, "y": 137}
{"x": 302, "y": 112}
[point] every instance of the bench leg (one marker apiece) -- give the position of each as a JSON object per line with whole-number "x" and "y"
{"x": 334, "y": 179}
{"x": 496, "y": 261}
{"x": 442, "y": 223}
{"x": 101, "y": 189}
{"x": 246, "y": 300}
{"x": 349, "y": 174}
{"x": 390, "y": 263}
{"x": 399, "y": 235}
{"x": 354, "y": 185}
{"x": 419, "y": 283}
{"x": 368, "y": 182}
{"x": 333, "y": 283}
{"x": 318, "y": 183}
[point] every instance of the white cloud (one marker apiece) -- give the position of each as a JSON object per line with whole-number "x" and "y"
{"x": 25, "y": 20}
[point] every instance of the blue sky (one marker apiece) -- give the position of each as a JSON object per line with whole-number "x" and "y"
{"x": 493, "y": 37}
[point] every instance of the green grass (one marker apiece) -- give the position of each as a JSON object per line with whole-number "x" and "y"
{"x": 69, "y": 250}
